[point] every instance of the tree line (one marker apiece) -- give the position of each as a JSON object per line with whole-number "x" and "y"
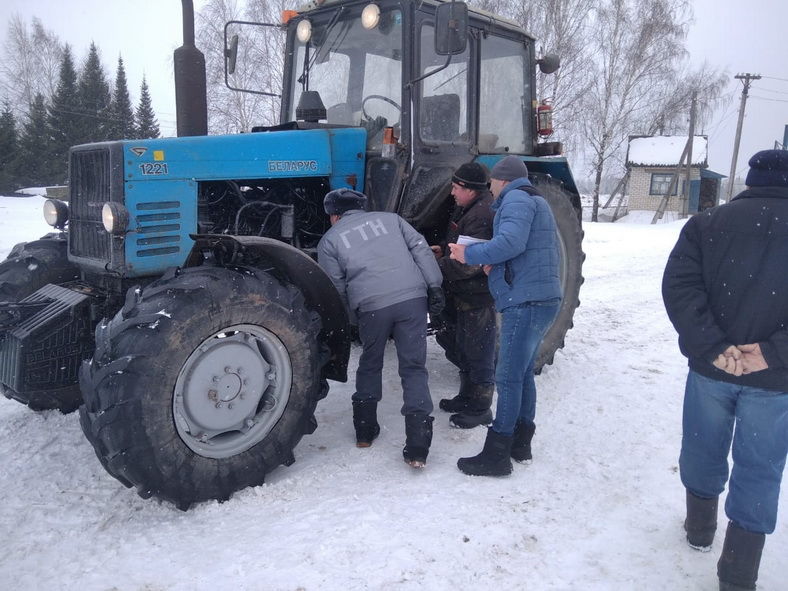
{"x": 625, "y": 71}
{"x": 49, "y": 104}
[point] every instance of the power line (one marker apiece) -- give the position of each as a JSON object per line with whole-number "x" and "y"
{"x": 773, "y": 78}
{"x": 763, "y": 98}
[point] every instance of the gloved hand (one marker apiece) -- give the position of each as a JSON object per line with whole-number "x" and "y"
{"x": 436, "y": 301}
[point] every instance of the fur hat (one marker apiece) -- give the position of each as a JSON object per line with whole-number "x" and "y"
{"x": 471, "y": 175}
{"x": 509, "y": 168}
{"x": 768, "y": 168}
{"x": 339, "y": 201}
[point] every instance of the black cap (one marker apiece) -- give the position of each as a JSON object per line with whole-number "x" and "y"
{"x": 339, "y": 201}
{"x": 768, "y": 168}
{"x": 471, "y": 175}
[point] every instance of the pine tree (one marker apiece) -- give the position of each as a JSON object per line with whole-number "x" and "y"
{"x": 36, "y": 165}
{"x": 64, "y": 120}
{"x": 121, "y": 123}
{"x": 147, "y": 125}
{"x": 8, "y": 150}
{"x": 94, "y": 99}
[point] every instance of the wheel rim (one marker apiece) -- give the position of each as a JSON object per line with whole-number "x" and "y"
{"x": 231, "y": 391}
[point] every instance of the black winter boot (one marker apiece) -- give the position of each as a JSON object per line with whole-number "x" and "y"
{"x": 365, "y": 420}
{"x": 521, "y": 441}
{"x": 418, "y": 437}
{"x": 740, "y": 559}
{"x": 478, "y": 411}
{"x": 494, "y": 459}
{"x": 460, "y": 401}
{"x": 701, "y": 522}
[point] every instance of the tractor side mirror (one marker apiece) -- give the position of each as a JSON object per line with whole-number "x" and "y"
{"x": 549, "y": 63}
{"x": 231, "y": 54}
{"x": 451, "y": 28}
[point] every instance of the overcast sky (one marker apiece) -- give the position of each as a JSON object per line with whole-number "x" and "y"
{"x": 736, "y": 36}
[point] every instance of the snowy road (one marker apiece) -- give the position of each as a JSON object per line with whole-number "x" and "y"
{"x": 601, "y": 507}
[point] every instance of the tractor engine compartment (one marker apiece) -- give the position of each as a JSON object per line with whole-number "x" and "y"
{"x": 289, "y": 210}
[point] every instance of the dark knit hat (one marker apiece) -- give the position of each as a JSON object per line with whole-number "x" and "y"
{"x": 768, "y": 168}
{"x": 339, "y": 201}
{"x": 471, "y": 175}
{"x": 508, "y": 169}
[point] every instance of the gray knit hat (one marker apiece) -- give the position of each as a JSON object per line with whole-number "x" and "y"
{"x": 509, "y": 168}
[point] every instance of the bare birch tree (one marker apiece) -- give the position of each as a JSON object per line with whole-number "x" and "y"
{"x": 230, "y": 111}
{"x": 30, "y": 64}
{"x": 640, "y": 44}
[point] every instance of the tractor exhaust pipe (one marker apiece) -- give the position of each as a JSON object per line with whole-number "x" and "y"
{"x": 191, "y": 103}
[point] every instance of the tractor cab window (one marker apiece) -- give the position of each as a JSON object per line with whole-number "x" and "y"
{"x": 443, "y": 98}
{"x": 357, "y": 71}
{"x": 505, "y": 99}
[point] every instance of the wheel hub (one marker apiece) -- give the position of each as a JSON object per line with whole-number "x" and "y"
{"x": 231, "y": 391}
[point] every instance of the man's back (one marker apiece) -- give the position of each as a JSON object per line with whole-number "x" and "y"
{"x": 736, "y": 255}
{"x": 381, "y": 258}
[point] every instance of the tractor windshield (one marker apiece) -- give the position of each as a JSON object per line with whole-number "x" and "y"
{"x": 356, "y": 68}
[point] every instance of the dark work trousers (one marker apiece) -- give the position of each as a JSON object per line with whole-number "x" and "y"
{"x": 407, "y": 323}
{"x": 469, "y": 340}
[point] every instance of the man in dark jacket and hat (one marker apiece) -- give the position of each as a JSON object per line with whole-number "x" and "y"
{"x": 468, "y": 331}
{"x": 725, "y": 289}
{"x": 388, "y": 278}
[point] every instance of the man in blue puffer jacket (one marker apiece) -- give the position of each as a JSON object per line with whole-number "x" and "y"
{"x": 522, "y": 262}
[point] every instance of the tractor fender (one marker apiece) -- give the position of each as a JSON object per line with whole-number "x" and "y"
{"x": 293, "y": 266}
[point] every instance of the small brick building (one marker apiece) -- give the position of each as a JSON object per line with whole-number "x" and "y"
{"x": 651, "y": 164}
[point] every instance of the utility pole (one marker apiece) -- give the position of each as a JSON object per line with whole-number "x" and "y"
{"x": 746, "y": 81}
{"x": 685, "y": 199}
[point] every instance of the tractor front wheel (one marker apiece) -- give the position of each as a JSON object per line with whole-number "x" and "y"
{"x": 202, "y": 383}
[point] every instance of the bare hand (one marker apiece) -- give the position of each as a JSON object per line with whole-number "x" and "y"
{"x": 457, "y": 252}
{"x": 436, "y": 250}
{"x": 752, "y": 358}
{"x": 730, "y": 361}
{"x": 486, "y": 269}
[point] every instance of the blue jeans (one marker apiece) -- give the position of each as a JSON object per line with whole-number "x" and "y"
{"x": 522, "y": 330}
{"x": 760, "y": 445}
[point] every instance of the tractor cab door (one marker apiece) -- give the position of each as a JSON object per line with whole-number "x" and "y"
{"x": 443, "y": 122}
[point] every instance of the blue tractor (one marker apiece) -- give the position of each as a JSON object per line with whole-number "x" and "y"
{"x": 179, "y": 306}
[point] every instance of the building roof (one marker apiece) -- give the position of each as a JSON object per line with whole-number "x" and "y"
{"x": 665, "y": 150}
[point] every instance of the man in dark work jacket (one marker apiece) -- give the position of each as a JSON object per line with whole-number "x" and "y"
{"x": 725, "y": 289}
{"x": 469, "y": 335}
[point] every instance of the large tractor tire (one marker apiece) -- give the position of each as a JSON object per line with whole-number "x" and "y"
{"x": 29, "y": 267}
{"x": 570, "y": 240}
{"x": 202, "y": 383}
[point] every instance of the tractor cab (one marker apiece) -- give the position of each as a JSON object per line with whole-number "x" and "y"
{"x": 434, "y": 84}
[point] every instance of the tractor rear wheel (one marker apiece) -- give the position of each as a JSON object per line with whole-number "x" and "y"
{"x": 29, "y": 267}
{"x": 570, "y": 238}
{"x": 202, "y": 383}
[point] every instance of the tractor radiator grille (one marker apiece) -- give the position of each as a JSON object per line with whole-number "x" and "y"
{"x": 91, "y": 182}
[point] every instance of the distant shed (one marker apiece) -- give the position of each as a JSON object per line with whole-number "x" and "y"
{"x": 651, "y": 165}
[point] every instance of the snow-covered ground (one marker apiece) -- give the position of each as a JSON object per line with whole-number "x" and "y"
{"x": 600, "y": 508}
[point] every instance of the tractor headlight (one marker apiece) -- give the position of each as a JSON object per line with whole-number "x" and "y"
{"x": 55, "y": 213}
{"x": 304, "y": 30}
{"x": 370, "y": 16}
{"x": 115, "y": 218}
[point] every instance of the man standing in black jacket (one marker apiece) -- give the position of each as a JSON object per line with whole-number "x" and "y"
{"x": 725, "y": 289}
{"x": 468, "y": 335}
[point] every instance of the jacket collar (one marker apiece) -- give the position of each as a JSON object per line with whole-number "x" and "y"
{"x": 772, "y": 192}
{"x": 511, "y": 186}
